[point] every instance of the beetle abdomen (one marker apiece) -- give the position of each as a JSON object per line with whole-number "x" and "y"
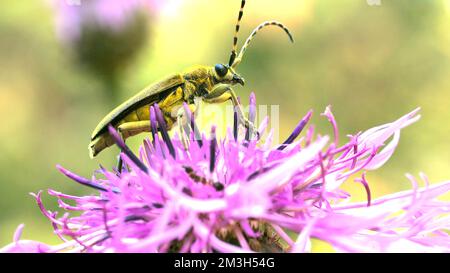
{"x": 104, "y": 140}
{"x": 153, "y": 93}
{"x": 100, "y": 143}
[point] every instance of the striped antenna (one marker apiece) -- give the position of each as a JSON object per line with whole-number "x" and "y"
{"x": 253, "y": 34}
{"x": 235, "y": 38}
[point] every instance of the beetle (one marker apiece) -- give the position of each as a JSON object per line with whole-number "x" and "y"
{"x": 210, "y": 84}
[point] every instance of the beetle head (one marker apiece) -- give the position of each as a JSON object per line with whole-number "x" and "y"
{"x": 225, "y": 74}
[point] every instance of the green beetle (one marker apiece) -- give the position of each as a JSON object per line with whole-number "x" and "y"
{"x": 211, "y": 84}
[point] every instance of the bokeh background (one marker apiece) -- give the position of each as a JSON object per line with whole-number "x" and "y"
{"x": 63, "y": 66}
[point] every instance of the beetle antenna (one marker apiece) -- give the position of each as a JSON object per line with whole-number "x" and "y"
{"x": 235, "y": 38}
{"x": 253, "y": 34}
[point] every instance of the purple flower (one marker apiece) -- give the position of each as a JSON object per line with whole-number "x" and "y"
{"x": 105, "y": 36}
{"x": 240, "y": 194}
{"x": 73, "y": 15}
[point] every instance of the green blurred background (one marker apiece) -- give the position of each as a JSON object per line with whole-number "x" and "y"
{"x": 371, "y": 63}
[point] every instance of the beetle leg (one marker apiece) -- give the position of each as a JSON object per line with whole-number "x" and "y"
{"x": 216, "y": 92}
{"x": 120, "y": 164}
{"x": 120, "y": 161}
{"x": 132, "y": 128}
{"x": 222, "y": 98}
{"x": 222, "y": 93}
{"x": 183, "y": 124}
{"x": 247, "y": 123}
{"x": 128, "y": 129}
{"x": 181, "y": 119}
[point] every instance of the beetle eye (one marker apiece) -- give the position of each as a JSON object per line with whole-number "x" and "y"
{"x": 221, "y": 70}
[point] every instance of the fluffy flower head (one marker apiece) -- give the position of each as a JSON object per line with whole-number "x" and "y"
{"x": 240, "y": 194}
